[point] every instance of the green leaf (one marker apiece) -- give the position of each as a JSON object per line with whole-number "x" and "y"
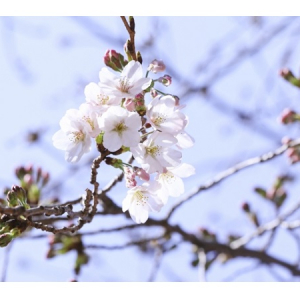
{"x": 261, "y": 192}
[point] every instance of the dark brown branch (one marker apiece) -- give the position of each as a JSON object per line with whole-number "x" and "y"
{"x": 131, "y": 33}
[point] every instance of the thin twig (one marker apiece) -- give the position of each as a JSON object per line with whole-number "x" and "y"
{"x": 235, "y": 169}
{"x": 279, "y": 221}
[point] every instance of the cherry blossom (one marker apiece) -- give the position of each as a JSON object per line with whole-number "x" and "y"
{"x": 163, "y": 115}
{"x": 73, "y": 136}
{"x": 155, "y": 153}
{"x": 171, "y": 182}
{"x": 130, "y": 83}
{"x": 141, "y": 200}
{"x": 88, "y": 114}
{"x": 96, "y": 97}
{"x": 120, "y": 128}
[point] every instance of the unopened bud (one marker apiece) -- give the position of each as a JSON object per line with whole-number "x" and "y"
{"x": 39, "y": 174}
{"x": 166, "y": 80}
{"x": 17, "y": 196}
{"x": 46, "y": 177}
{"x": 176, "y": 100}
{"x": 289, "y": 76}
{"x": 129, "y": 104}
{"x": 288, "y": 116}
{"x": 293, "y": 155}
{"x": 20, "y": 172}
{"x": 128, "y": 50}
{"x": 34, "y": 194}
{"x": 139, "y": 57}
{"x": 115, "y": 162}
{"x": 114, "y": 60}
{"x": 157, "y": 66}
{"x": 142, "y": 174}
{"x": 29, "y": 169}
{"x": 131, "y": 23}
{"x": 285, "y": 140}
{"x": 28, "y": 180}
{"x": 5, "y": 239}
{"x": 153, "y": 93}
{"x": 12, "y": 199}
{"x": 246, "y": 207}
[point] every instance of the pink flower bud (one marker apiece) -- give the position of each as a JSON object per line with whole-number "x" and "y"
{"x": 285, "y": 140}
{"x": 129, "y": 104}
{"x": 166, "y": 80}
{"x": 114, "y": 60}
{"x": 153, "y": 93}
{"x": 246, "y": 207}
{"x": 28, "y": 179}
{"x": 142, "y": 174}
{"x": 287, "y": 116}
{"x": 157, "y": 66}
{"x": 285, "y": 73}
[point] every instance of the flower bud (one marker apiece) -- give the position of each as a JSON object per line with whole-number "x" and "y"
{"x": 246, "y": 207}
{"x": 115, "y": 162}
{"x": 285, "y": 140}
{"x": 114, "y": 60}
{"x": 288, "y": 116}
{"x": 17, "y": 196}
{"x": 153, "y": 93}
{"x": 29, "y": 169}
{"x": 166, "y": 80}
{"x": 20, "y": 172}
{"x": 20, "y": 192}
{"x": 156, "y": 66}
{"x": 5, "y": 239}
{"x": 289, "y": 76}
{"x": 128, "y": 50}
{"x": 142, "y": 174}
{"x": 131, "y": 23}
{"x": 28, "y": 180}
{"x": 45, "y": 177}
{"x": 139, "y": 57}
{"x": 293, "y": 155}
{"x": 38, "y": 174}
{"x": 129, "y": 104}
{"x": 34, "y": 194}
{"x": 12, "y": 199}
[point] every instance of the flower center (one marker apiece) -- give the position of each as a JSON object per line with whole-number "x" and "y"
{"x": 153, "y": 151}
{"x": 102, "y": 99}
{"x": 120, "y": 128}
{"x": 168, "y": 177}
{"x": 124, "y": 85}
{"x": 76, "y": 136}
{"x": 159, "y": 119}
{"x": 141, "y": 199}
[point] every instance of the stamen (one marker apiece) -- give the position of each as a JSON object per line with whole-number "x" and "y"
{"x": 76, "y": 136}
{"x": 89, "y": 121}
{"x": 153, "y": 151}
{"x": 124, "y": 85}
{"x": 120, "y": 127}
{"x": 141, "y": 199}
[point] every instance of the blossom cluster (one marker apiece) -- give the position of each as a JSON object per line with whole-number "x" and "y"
{"x": 116, "y": 115}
